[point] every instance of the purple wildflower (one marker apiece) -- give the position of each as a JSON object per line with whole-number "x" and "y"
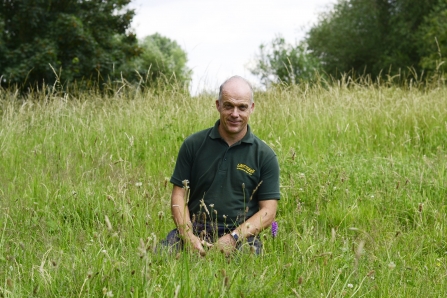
{"x": 274, "y": 228}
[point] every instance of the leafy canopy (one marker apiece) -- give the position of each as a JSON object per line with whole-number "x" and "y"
{"x": 363, "y": 37}
{"x": 162, "y": 61}
{"x": 375, "y": 36}
{"x": 78, "y": 39}
{"x": 281, "y": 62}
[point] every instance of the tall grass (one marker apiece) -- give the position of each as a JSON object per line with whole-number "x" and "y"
{"x": 84, "y": 194}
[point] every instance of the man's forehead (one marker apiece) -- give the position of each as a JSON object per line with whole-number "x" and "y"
{"x": 237, "y": 94}
{"x": 235, "y": 100}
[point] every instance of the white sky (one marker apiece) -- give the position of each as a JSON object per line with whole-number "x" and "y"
{"x": 222, "y": 37}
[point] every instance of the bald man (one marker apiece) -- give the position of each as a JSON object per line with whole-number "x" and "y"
{"x": 225, "y": 181}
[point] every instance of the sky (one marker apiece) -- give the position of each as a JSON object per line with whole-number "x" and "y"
{"x": 222, "y": 38}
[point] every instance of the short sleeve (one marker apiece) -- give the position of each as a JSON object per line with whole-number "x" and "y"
{"x": 269, "y": 189}
{"x": 183, "y": 165}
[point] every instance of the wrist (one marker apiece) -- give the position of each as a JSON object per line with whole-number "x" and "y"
{"x": 185, "y": 231}
{"x": 235, "y": 236}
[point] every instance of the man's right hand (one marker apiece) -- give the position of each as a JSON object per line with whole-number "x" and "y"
{"x": 196, "y": 244}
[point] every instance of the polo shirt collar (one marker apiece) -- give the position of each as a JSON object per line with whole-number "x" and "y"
{"x": 214, "y": 134}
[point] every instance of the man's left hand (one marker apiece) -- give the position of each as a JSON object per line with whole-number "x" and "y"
{"x": 226, "y": 244}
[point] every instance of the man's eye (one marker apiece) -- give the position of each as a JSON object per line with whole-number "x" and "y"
{"x": 242, "y": 108}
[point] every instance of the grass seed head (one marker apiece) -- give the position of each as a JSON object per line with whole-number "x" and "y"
{"x": 333, "y": 235}
{"x": 108, "y": 223}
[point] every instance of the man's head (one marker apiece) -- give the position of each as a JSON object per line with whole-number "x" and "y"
{"x": 235, "y": 105}
{"x": 235, "y": 78}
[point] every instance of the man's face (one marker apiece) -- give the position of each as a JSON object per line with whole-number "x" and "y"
{"x": 235, "y": 108}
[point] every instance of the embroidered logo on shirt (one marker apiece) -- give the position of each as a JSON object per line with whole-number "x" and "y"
{"x": 245, "y": 168}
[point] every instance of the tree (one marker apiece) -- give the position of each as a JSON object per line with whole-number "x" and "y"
{"x": 433, "y": 39}
{"x": 351, "y": 36}
{"x": 162, "y": 60}
{"x": 370, "y": 36}
{"x": 280, "y": 62}
{"x": 78, "y": 39}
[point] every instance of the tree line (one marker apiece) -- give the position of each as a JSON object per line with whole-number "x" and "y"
{"x": 87, "y": 42}
{"x": 43, "y": 42}
{"x": 378, "y": 38}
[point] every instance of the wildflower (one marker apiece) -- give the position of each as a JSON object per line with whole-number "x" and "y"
{"x": 138, "y": 184}
{"x": 274, "y": 228}
{"x": 350, "y": 286}
{"x": 211, "y": 205}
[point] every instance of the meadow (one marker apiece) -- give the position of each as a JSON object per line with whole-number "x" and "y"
{"x": 85, "y": 194}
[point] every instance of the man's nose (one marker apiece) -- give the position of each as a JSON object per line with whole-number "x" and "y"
{"x": 235, "y": 112}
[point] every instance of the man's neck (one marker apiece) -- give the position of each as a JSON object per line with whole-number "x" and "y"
{"x": 232, "y": 139}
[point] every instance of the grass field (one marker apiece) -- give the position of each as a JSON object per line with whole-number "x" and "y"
{"x": 84, "y": 195}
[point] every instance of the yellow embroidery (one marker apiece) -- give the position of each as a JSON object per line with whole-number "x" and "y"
{"x": 245, "y": 168}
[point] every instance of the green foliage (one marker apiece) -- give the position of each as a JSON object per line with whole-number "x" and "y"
{"x": 434, "y": 39}
{"x": 162, "y": 61}
{"x": 280, "y": 62}
{"x": 349, "y": 36}
{"x": 76, "y": 39}
{"x": 375, "y": 36}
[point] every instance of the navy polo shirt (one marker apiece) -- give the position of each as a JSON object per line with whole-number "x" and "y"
{"x": 230, "y": 179}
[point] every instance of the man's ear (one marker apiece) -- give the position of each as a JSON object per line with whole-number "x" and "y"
{"x": 217, "y": 105}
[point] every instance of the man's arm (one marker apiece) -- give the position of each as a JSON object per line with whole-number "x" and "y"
{"x": 182, "y": 219}
{"x": 252, "y": 226}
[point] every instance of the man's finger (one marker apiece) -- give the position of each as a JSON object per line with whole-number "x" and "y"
{"x": 206, "y": 244}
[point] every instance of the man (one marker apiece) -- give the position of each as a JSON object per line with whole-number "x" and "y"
{"x": 226, "y": 180}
